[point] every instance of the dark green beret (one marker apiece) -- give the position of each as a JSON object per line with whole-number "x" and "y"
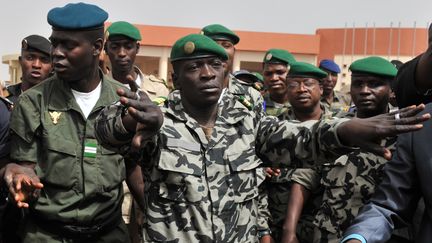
{"x": 373, "y": 65}
{"x": 77, "y": 16}
{"x": 278, "y": 56}
{"x": 306, "y": 70}
{"x": 259, "y": 76}
{"x": 220, "y": 32}
{"x": 196, "y": 46}
{"x": 37, "y": 43}
{"x": 123, "y": 28}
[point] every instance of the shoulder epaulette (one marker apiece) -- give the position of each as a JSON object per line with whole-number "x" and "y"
{"x": 245, "y": 102}
{"x": 159, "y": 101}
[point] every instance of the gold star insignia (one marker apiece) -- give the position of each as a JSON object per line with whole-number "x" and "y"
{"x": 55, "y": 116}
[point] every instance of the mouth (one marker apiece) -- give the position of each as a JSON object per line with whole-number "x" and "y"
{"x": 365, "y": 102}
{"x": 35, "y": 74}
{"x": 303, "y": 99}
{"x": 58, "y": 67}
{"x": 122, "y": 62}
{"x": 210, "y": 89}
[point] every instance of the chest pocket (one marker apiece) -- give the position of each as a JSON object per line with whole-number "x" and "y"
{"x": 180, "y": 175}
{"x": 63, "y": 154}
{"x": 245, "y": 172}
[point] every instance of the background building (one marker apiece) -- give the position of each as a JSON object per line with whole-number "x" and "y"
{"x": 344, "y": 45}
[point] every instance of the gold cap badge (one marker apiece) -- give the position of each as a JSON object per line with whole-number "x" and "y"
{"x": 269, "y": 56}
{"x": 189, "y": 47}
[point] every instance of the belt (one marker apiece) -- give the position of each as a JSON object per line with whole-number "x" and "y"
{"x": 78, "y": 231}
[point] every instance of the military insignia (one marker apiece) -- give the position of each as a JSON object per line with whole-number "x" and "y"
{"x": 24, "y": 44}
{"x": 159, "y": 100}
{"x": 201, "y": 32}
{"x": 269, "y": 56}
{"x": 55, "y": 116}
{"x": 189, "y": 47}
{"x": 245, "y": 102}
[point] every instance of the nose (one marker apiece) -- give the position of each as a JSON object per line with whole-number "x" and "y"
{"x": 365, "y": 89}
{"x": 122, "y": 52}
{"x": 57, "y": 52}
{"x": 207, "y": 72}
{"x": 302, "y": 88}
{"x": 37, "y": 63}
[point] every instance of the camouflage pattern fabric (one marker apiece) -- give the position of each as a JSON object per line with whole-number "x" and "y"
{"x": 279, "y": 190}
{"x": 207, "y": 191}
{"x": 239, "y": 88}
{"x": 341, "y": 103}
{"x": 274, "y": 109}
{"x": 348, "y": 184}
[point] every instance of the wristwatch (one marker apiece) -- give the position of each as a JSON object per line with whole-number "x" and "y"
{"x": 262, "y": 233}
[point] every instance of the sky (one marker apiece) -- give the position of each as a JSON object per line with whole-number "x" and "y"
{"x": 21, "y": 18}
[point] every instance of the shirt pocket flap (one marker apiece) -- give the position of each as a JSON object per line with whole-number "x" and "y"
{"x": 61, "y": 146}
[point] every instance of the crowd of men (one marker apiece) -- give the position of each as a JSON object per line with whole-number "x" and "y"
{"x": 97, "y": 153}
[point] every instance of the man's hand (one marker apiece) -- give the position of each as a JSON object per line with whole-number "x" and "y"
{"x": 143, "y": 117}
{"x": 269, "y": 172}
{"x": 23, "y": 184}
{"x": 367, "y": 133}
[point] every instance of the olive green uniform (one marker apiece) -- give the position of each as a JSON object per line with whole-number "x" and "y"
{"x": 340, "y": 104}
{"x": 82, "y": 180}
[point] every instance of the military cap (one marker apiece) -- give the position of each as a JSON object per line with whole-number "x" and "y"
{"x": 373, "y": 65}
{"x": 196, "y": 46}
{"x": 245, "y": 73}
{"x": 220, "y": 32}
{"x": 37, "y": 43}
{"x": 123, "y": 28}
{"x": 307, "y": 70}
{"x": 77, "y": 16}
{"x": 329, "y": 65}
{"x": 278, "y": 56}
{"x": 259, "y": 76}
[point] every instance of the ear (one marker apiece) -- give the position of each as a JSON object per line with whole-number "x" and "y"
{"x": 19, "y": 58}
{"x": 137, "y": 47}
{"x": 98, "y": 46}
{"x": 175, "y": 81}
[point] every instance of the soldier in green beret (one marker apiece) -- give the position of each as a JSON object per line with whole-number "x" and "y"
{"x": 122, "y": 46}
{"x": 35, "y": 62}
{"x": 227, "y": 39}
{"x": 350, "y": 182}
{"x": 201, "y": 173}
{"x": 276, "y": 65}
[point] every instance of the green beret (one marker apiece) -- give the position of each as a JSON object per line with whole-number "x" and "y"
{"x": 77, "y": 16}
{"x": 278, "y": 56}
{"x": 123, "y": 28}
{"x": 306, "y": 70}
{"x": 259, "y": 76}
{"x": 196, "y": 46}
{"x": 373, "y": 65}
{"x": 220, "y": 32}
{"x": 37, "y": 43}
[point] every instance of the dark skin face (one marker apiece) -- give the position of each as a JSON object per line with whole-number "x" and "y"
{"x": 275, "y": 80}
{"x": 304, "y": 94}
{"x": 75, "y": 56}
{"x": 121, "y": 52}
{"x": 329, "y": 83}
{"x": 200, "y": 81}
{"x": 370, "y": 94}
{"x": 230, "y": 50}
{"x": 36, "y": 67}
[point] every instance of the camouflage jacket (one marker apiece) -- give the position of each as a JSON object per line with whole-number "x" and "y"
{"x": 238, "y": 88}
{"x": 341, "y": 103}
{"x": 207, "y": 191}
{"x": 272, "y": 108}
{"x": 348, "y": 185}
